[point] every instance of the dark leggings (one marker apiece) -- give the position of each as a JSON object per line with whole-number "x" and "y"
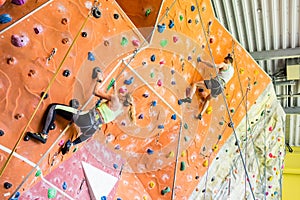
{"x": 84, "y": 120}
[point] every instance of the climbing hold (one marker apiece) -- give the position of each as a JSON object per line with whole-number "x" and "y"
{"x": 145, "y": 95}
{"x": 84, "y": 34}
{"x": 65, "y": 40}
{"x": 64, "y": 185}
{"x": 180, "y": 102}
{"x": 46, "y": 95}
{"x": 182, "y": 166}
{"x": 162, "y": 62}
{"x": 165, "y": 191}
{"x": 26, "y": 137}
{"x": 189, "y": 21}
{"x": 116, "y": 16}
{"x": 221, "y": 123}
{"x": 270, "y": 178}
{"x": 171, "y": 154}
{"x": 124, "y": 41}
{"x": 183, "y": 154}
{"x": 215, "y": 148}
{"x": 141, "y": 116}
{"x": 115, "y": 166}
{"x": 19, "y": 40}
{"x": 136, "y": 43}
{"x": 103, "y": 198}
{"x": 18, "y": 2}
{"x": 7, "y": 185}
{"x": 161, "y": 28}
{"x": 11, "y": 60}
{"x": 185, "y": 126}
{"x": 144, "y": 63}
{"x": 189, "y": 57}
{"x": 153, "y": 103}
{"x": 38, "y": 29}
{"x": 18, "y": 116}
{"x": 106, "y": 43}
{"x": 192, "y": 8}
{"x": 172, "y": 71}
{"x": 66, "y": 73}
{"x": 96, "y": 12}
{"x": 117, "y": 147}
{"x": 64, "y": 21}
{"x": 61, "y": 143}
{"x": 219, "y": 137}
{"x": 5, "y": 18}
{"x": 211, "y": 40}
{"x": 198, "y": 59}
{"x": 209, "y": 110}
{"x": 197, "y": 177}
{"x": 152, "y": 58}
{"x": 270, "y": 128}
{"x": 159, "y": 82}
{"x": 52, "y": 193}
{"x": 161, "y": 126}
{"x": 150, "y": 151}
{"x": 173, "y": 82}
{"x": 151, "y": 184}
{"x": 232, "y": 110}
{"x": 163, "y": 43}
{"x": 122, "y": 90}
{"x": 230, "y": 124}
{"x": 74, "y": 103}
{"x": 175, "y": 39}
{"x": 180, "y": 17}
{"x": 129, "y": 81}
{"x": 91, "y": 56}
{"x": 171, "y": 24}
{"x": 173, "y": 117}
{"x": 152, "y": 75}
{"x": 1, "y": 132}
{"x": 186, "y": 138}
{"x": 212, "y": 179}
{"x": 242, "y": 70}
{"x": 205, "y": 163}
{"x": 148, "y": 11}
{"x": 119, "y": 198}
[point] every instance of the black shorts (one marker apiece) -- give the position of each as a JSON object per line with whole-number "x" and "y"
{"x": 216, "y": 85}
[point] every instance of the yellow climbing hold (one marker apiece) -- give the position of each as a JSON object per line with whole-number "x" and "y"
{"x": 205, "y": 163}
{"x": 144, "y": 197}
{"x": 242, "y": 70}
{"x": 209, "y": 110}
{"x": 151, "y": 184}
{"x": 255, "y": 72}
{"x": 183, "y": 154}
{"x": 215, "y": 148}
{"x": 171, "y": 154}
{"x": 270, "y": 178}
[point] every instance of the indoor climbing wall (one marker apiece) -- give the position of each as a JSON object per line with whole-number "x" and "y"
{"x": 154, "y": 51}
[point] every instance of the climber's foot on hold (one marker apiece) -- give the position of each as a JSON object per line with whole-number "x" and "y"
{"x": 38, "y": 136}
{"x": 185, "y": 100}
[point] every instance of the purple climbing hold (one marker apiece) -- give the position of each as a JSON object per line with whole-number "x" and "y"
{"x": 19, "y": 40}
{"x": 141, "y": 116}
{"x": 5, "y": 18}
{"x": 189, "y": 57}
{"x": 91, "y": 56}
{"x": 146, "y": 95}
{"x": 150, "y": 151}
{"x": 172, "y": 71}
{"x": 117, "y": 147}
{"x": 173, "y": 83}
{"x": 38, "y": 29}
{"x": 18, "y": 2}
{"x": 171, "y": 24}
{"x": 129, "y": 81}
{"x": 161, "y": 28}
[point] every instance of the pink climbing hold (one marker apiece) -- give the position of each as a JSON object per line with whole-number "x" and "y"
{"x": 175, "y": 39}
{"x": 19, "y": 40}
{"x": 270, "y": 128}
{"x": 18, "y": 2}
{"x": 136, "y": 43}
{"x": 159, "y": 82}
{"x": 61, "y": 143}
{"x": 122, "y": 90}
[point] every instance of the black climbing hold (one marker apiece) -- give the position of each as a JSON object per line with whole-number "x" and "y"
{"x": 197, "y": 177}
{"x": 26, "y": 137}
{"x": 116, "y": 16}
{"x": 203, "y": 190}
{"x": 230, "y": 124}
{"x": 7, "y": 185}
{"x": 96, "y": 12}
{"x": 189, "y": 21}
{"x": 52, "y": 126}
{"x": 141, "y": 116}
{"x": 74, "y": 103}
{"x": 46, "y": 96}
{"x": 66, "y": 73}
{"x": 236, "y": 143}
{"x": 212, "y": 179}
{"x": 1, "y": 132}
{"x": 84, "y": 34}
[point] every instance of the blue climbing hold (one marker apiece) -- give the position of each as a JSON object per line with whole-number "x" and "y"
{"x": 16, "y": 196}
{"x": 117, "y": 147}
{"x": 161, "y": 126}
{"x": 154, "y": 103}
{"x": 172, "y": 71}
{"x": 180, "y": 102}
{"x": 161, "y": 28}
{"x": 174, "y": 117}
{"x": 152, "y": 58}
{"x": 198, "y": 59}
{"x": 91, "y": 56}
{"x": 5, "y": 18}
{"x": 171, "y": 24}
{"x": 119, "y": 198}
{"x": 64, "y": 185}
{"x": 150, "y": 151}
{"x": 128, "y": 81}
{"x": 173, "y": 83}
{"x": 103, "y": 198}
{"x": 192, "y": 8}
{"x": 115, "y": 166}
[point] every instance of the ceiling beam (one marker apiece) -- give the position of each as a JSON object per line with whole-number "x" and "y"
{"x": 292, "y": 110}
{"x": 276, "y": 54}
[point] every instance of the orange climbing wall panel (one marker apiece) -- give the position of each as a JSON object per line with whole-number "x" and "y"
{"x": 161, "y": 68}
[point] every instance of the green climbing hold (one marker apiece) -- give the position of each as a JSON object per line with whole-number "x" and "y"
{"x": 75, "y": 149}
{"x": 124, "y": 41}
{"x": 148, "y": 11}
{"x": 38, "y": 173}
{"x": 186, "y": 138}
{"x": 165, "y": 191}
{"x": 262, "y": 113}
{"x": 232, "y": 110}
{"x": 219, "y": 137}
{"x": 163, "y": 43}
{"x": 152, "y": 74}
{"x": 182, "y": 166}
{"x": 180, "y": 17}
{"x": 52, "y": 193}
{"x": 185, "y": 126}
{"x": 221, "y": 123}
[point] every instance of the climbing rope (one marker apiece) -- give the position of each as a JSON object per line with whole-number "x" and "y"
{"x": 224, "y": 98}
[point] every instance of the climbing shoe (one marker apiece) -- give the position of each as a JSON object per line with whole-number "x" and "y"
{"x": 186, "y": 100}
{"x": 199, "y": 117}
{"x": 38, "y": 136}
{"x": 66, "y": 147}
